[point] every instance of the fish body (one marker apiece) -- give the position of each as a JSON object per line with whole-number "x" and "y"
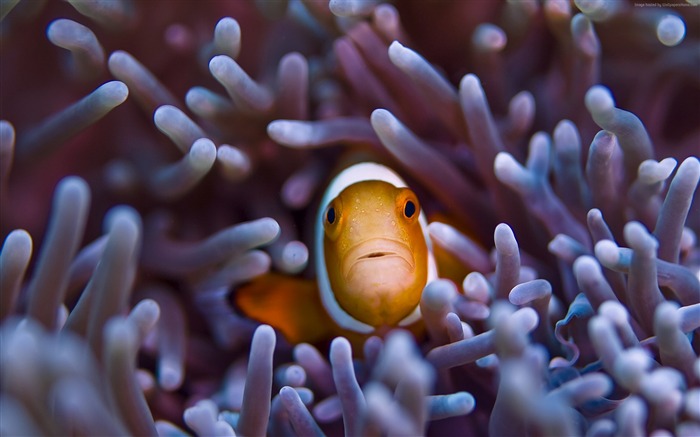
{"x": 373, "y": 258}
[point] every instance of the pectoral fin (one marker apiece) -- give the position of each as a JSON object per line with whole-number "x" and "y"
{"x": 290, "y": 305}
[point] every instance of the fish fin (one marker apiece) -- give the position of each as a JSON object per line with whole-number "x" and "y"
{"x": 448, "y": 265}
{"x": 291, "y": 305}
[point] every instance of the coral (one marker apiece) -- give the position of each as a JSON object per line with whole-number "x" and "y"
{"x": 553, "y": 145}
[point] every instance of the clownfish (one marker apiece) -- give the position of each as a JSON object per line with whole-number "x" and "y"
{"x": 373, "y": 253}
{"x": 373, "y": 258}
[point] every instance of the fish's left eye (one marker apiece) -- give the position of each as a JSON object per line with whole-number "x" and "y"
{"x": 409, "y": 209}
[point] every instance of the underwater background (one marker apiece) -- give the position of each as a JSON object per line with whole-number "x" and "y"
{"x": 155, "y": 156}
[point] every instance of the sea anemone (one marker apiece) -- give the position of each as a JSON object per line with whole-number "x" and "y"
{"x": 554, "y": 147}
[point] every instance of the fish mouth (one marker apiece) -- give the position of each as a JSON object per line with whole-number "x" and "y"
{"x": 379, "y": 251}
{"x": 376, "y": 255}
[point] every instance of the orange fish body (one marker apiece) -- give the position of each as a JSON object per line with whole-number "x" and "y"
{"x": 373, "y": 258}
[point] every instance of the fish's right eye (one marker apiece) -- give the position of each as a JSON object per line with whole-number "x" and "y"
{"x": 332, "y": 219}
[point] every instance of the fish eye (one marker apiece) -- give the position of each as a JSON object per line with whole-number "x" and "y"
{"x": 332, "y": 219}
{"x": 409, "y": 209}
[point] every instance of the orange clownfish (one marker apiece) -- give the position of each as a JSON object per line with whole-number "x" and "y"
{"x": 373, "y": 259}
{"x": 373, "y": 254}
